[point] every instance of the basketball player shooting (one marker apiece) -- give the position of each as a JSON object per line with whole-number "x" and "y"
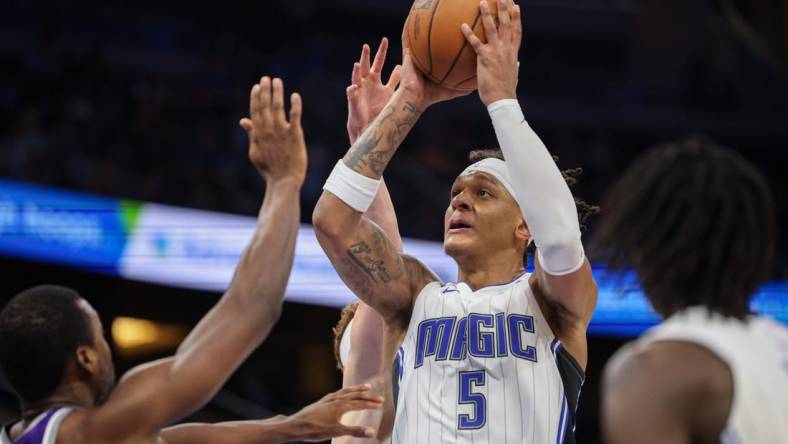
{"x": 499, "y": 356}
{"x": 55, "y": 356}
{"x": 697, "y": 223}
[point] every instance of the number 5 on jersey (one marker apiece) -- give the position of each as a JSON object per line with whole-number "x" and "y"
{"x": 468, "y": 382}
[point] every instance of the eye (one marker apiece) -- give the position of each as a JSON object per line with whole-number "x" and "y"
{"x": 454, "y": 193}
{"x": 484, "y": 193}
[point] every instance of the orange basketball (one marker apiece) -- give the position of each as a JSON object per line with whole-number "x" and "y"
{"x": 437, "y": 45}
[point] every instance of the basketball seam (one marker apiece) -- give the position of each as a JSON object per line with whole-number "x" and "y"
{"x": 429, "y": 35}
{"x": 461, "y": 82}
{"x": 462, "y": 48}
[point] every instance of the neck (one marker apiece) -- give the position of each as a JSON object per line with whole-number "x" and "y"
{"x": 74, "y": 394}
{"x": 494, "y": 269}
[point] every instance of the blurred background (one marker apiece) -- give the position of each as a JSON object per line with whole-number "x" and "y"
{"x": 141, "y": 101}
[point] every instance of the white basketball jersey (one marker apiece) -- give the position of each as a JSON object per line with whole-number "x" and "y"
{"x": 484, "y": 367}
{"x": 756, "y": 351}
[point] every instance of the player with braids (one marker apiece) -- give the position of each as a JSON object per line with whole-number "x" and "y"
{"x": 697, "y": 224}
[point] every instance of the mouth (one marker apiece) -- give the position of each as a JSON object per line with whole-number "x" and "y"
{"x": 458, "y": 227}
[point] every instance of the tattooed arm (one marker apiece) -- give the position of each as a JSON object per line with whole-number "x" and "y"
{"x": 361, "y": 252}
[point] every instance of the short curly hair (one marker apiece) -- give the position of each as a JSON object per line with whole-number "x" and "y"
{"x": 40, "y": 330}
{"x": 339, "y": 330}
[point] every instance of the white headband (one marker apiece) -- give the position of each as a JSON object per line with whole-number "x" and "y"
{"x": 497, "y": 169}
{"x": 344, "y": 345}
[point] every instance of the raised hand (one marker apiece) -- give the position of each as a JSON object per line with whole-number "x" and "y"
{"x": 419, "y": 89}
{"x": 497, "y": 66}
{"x": 367, "y": 95}
{"x": 276, "y": 146}
{"x": 320, "y": 421}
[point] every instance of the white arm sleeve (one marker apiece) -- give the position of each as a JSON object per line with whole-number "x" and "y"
{"x": 544, "y": 197}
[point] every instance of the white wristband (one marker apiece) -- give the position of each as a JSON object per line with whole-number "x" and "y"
{"x": 356, "y": 190}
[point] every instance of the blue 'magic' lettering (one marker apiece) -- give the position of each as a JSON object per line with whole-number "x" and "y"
{"x": 460, "y": 348}
{"x": 516, "y": 323}
{"x": 480, "y": 343}
{"x": 480, "y": 335}
{"x": 434, "y": 336}
{"x": 500, "y": 333}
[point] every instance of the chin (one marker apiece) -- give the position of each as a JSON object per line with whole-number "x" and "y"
{"x": 456, "y": 248}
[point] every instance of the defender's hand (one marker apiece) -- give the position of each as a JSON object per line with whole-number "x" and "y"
{"x": 276, "y": 146}
{"x": 418, "y": 89}
{"x": 367, "y": 95}
{"x": 320, "y": 421}
{"x": 497, "y": 66}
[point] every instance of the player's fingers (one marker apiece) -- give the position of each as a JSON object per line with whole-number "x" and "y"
{"x": 394, "y": 78}
{"x": 380, "y": 56}
{"x": 349, "y": 406}
{"x": 246, "y": 124}
{"x": 254, "y": 101}
{"x": 355, "y": 78}
{"x": 504, "y": 21}
{"x": 295, "y": 110}
{"x": 278, "y": 101}
{"x": 353, "y": 389}
{"x": 517, "y": 26}
{"x": 358, "y": 432}
{"x": 488, "y": 22}
{"x": 359, "y": 396}
{"x": 265, "y": 98}
{"x": 352, "y": 93}
{"x": 474, "y": 41}
{"x": 364, "y": 61}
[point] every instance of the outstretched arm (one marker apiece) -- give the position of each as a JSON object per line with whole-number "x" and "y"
{"x": 316, "y": 422}
{"x": 361, "y": 252}
{"x": 154, "y": 395}
{"x": 563, "y": 274}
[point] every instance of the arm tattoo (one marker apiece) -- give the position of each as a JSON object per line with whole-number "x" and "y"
{"x": 369, "y": 256}
{"x": 374, "y": 149}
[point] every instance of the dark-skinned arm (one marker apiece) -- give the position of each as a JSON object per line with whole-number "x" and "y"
{"x": 316, "y": 422}
{"x": 154, "y": 395}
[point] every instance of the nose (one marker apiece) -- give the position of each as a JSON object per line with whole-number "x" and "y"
{"x": 461, "y": 202}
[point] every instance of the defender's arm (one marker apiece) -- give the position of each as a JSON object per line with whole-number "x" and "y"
{"x": 315, "y": 422}
{"x": 154, "y": 395}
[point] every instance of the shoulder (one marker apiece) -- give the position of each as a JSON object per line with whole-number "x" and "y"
{"x": 420, "y": 274}
{"x": 668, "y": 381}
{"x": 679, "y": 366}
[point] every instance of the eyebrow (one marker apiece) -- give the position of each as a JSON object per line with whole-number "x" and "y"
{"x": 484, "y": 177}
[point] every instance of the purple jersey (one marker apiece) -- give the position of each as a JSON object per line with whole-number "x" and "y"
{"x": 43, "y": 429}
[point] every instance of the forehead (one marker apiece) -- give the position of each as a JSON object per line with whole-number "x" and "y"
{"x": 478, "y": 177}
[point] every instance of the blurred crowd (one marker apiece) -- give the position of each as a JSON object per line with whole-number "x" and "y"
{"x": 142, "y": 99}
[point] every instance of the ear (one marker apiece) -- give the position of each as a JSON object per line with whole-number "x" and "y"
{"x": 522, "y": 233}
{"x": 87, "y": 359}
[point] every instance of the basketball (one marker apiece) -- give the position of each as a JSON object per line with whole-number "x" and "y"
{"x": 437, "y": 45}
